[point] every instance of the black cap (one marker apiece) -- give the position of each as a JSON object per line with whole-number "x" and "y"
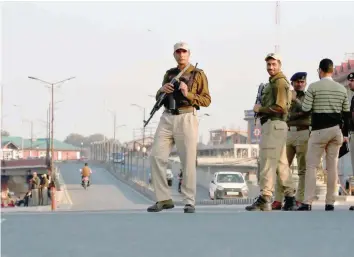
{"x": 350, "y": 76}
{"x": 299, "y": 76}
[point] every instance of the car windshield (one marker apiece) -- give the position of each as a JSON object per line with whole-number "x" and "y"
{"x": 230, "y": 178}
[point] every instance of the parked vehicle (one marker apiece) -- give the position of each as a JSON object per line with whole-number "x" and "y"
{"x": 228, "y": 184}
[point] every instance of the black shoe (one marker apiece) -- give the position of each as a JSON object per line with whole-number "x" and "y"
{"x": 351, "y": 208}
{"x": 159, "y": 206}
{"x": 188, "y": 208}
{"x": 329, "y": 207}
{"x": 305, "y": 207}
{"x": 262, "y": 203}
{"x": 289, "y": 204}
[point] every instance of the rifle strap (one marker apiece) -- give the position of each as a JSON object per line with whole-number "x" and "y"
{"x": 182, "y": 72}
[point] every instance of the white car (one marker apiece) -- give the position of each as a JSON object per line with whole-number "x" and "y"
{"x": 228, "y": 184}
{"x": 169, "y": 177}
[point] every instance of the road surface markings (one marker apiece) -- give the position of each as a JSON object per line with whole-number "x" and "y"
{"x": 66, "y": 192}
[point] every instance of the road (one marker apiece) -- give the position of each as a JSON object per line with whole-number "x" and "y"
{"x": 105, "y": 193}
{"x": 223, "y": 232}
{"x": 137, "y": 171}
{"x": 110, "y": 220}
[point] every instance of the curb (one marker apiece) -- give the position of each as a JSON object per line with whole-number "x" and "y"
{"x": 65, "y": 191}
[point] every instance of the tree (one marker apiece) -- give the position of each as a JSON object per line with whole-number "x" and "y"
{"x": 77, "y": 139}
{"x": 94, "y": 138}
{"x": 4, "y": 133}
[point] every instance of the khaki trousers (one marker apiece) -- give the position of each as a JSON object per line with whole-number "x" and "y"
{"x": 296, "y": 144}
{"x": 273, "y": 158}
{"x": 327, "y": 140}
{"x": 351, "y": 148}
{"x": 183, "y": 131}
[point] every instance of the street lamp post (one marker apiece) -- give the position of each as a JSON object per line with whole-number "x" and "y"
{"x": 115, "y": 127}
{"x": 144, "y": 114}
{"x": 52, "y": 85}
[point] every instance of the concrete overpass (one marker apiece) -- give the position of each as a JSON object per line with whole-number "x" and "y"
{"x": 110, "y": 219}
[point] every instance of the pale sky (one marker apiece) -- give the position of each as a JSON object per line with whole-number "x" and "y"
{"x": 116, "y": 60}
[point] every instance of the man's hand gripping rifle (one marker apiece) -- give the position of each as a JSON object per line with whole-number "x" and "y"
{"x": 162, "y": 97}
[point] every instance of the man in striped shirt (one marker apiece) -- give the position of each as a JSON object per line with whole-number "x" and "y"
{"x": 328, "y": 101}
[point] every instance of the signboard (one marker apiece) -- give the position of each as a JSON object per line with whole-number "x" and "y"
{"x": 249, "y": 114}
{"x": 255, "y": 132}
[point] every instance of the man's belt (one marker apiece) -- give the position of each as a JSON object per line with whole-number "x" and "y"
{"x": 276, "y": 116}
{"x": 181, "y": 110}
{"x": 298, "y": 128}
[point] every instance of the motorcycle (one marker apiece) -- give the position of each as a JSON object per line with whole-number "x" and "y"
{"x": 85, "y": 181}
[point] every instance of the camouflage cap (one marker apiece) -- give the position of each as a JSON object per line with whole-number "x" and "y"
{"x": 350, "y": 76}
{"x": 274, "y": 56}
{"x": 181, "y": 45}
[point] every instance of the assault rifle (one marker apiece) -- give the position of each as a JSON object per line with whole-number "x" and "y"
{"x": 163, "y": 96}
{"x": 259, "y": 99}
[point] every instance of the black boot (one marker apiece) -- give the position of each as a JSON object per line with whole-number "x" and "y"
{"x": 289, "y": 204}
{"x": 329, "y": 207}
{"x": 163, "y": 205}
{"x": 305, "y": 207}
{"x": 188, "y": 208}
{"x": 262, "y": 203}
{"x": 351, "y": 208}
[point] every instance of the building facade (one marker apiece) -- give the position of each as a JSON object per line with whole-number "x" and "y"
{"x": 227, "y": 136}
{"x": 13, "y": 148}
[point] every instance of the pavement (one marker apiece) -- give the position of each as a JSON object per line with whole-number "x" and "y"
{"x": 104, "y": 193}
{"x": 110, "y": 219}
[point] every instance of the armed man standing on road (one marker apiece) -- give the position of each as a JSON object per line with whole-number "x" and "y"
{"x": 298, "y": 136}
{"x": 179, "y": 126}
{"x": 351, "y": 126}
{"x": 328, "y": 101}
{"x": 276, "y": 101}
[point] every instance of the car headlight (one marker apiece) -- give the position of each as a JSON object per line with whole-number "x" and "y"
{"x": 219, "y": 188}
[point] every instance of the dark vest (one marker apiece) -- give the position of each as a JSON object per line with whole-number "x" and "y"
{"x": 181, "y": 100}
